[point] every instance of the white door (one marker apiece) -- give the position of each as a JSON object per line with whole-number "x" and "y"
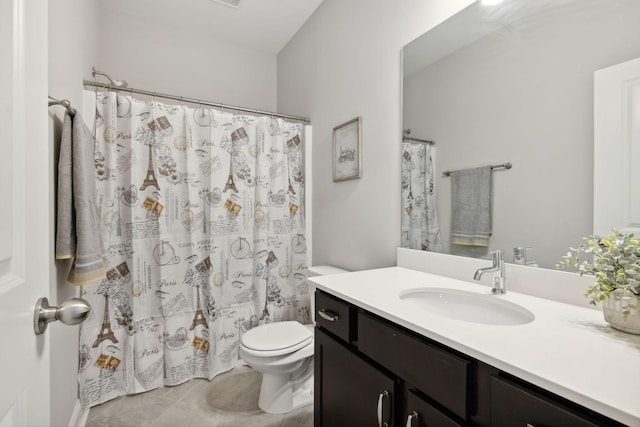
{"x": 25, "y": 213}
{"x": 617, "y": 148}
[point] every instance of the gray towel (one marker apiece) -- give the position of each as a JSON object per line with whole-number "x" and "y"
{"x": 471, "y": 206}
{"x": 78, "y": 232}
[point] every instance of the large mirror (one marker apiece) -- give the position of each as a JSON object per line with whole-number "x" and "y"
{"x": 509, "y": 83}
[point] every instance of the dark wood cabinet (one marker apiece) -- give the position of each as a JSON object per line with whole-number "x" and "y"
{"x": 420, "y": 413}
{"x": 372, "y": 372}
{"x": 334, "y": 315}
{"x": 439, "y": 374}
{"x": 350, "y": 391}
{"x": 515, "y": 405}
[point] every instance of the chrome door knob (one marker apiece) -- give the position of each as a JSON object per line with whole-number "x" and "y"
{"x": 70, "y": 312}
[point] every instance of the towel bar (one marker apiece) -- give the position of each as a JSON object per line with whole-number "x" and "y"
{"x": 504, "y": 165}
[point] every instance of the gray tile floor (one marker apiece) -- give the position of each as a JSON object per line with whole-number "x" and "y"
{"x": 229, "y": 400}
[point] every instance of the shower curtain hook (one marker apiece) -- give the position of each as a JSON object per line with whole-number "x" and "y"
{"x": 154, "y": 98}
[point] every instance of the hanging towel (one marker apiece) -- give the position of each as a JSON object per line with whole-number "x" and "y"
{"x": 471, "y": 206}
{"x": 78, "y": 231}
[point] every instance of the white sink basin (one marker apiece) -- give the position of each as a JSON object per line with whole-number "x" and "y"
{"x": 468, "y": 306}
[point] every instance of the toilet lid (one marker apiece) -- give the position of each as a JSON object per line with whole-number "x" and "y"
{"x": 289, "y": 335}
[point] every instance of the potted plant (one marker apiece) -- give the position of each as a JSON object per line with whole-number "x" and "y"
{"x": 614, "y": 260}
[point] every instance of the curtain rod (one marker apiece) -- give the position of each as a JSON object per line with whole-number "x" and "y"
{"x": 195, "y": 101}
{"x": 424, "y": 141}
{"x": 504, "y": 165}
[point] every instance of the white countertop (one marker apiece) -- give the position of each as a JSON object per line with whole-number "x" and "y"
{"x": 568, "y": 350}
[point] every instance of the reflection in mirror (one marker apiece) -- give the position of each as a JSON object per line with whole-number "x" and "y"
{"x": 512, "y": 83}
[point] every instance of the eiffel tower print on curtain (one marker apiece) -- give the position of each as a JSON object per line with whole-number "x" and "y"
{"x": 106, "y": 333}
{"x": 150, "y": 179}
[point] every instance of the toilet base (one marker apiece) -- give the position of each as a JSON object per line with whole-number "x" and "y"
{"x": 280, "y": 394}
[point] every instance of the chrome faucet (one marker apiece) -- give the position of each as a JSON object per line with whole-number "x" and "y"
{"x": 498, "y": 273}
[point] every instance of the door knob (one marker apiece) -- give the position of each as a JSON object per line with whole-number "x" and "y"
{"x": 70, "y": 312}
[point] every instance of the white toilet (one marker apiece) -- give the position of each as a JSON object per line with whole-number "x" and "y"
{"x": 283, "y": 353}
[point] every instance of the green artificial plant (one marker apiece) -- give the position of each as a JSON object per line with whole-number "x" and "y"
{"x": 614, "y": 260}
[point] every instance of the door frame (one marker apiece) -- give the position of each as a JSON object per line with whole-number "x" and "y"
{"x": 616, "y": 148}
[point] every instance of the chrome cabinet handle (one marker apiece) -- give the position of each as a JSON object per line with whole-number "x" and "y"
{"x": 70, "y": 312}
{"x": 381, "y": 397}
{"x": 328, "y": 315}
{"x": 412, "y": 416}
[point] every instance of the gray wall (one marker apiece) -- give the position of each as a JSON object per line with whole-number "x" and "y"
{"x": 525, "y": 95}
{"x": 73, "y": 41}
{"x": 343, "y": 63}
{"x": 158, "y": 57}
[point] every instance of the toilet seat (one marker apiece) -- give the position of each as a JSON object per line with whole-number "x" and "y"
{"x": 276, "y": 339}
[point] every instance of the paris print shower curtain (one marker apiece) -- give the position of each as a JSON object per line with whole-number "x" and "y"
{"x": 420, "y": 227}
{"x": 202, "y": 215}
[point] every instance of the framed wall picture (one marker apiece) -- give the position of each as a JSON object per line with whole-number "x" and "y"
{"x": 347, "y": 150}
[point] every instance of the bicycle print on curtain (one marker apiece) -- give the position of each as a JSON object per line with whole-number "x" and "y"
{"x": 203, "y": 222}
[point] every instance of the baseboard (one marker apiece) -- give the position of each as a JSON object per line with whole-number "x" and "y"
{"x": 79, "y": 416}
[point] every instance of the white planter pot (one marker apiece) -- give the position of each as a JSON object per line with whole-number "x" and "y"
{"x": 622, "y": 312}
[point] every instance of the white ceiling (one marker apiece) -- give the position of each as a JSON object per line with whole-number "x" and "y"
{"x": 263, "y": 25}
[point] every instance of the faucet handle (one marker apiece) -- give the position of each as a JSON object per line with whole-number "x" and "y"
{"x": 520, "y": 254}
{"x": 498, "y": 254}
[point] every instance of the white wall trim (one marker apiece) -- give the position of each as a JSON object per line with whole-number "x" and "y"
{"x": 308, "y": 193}
{"x": 79, "y": 416}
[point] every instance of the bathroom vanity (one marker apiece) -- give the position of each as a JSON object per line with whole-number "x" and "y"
{"x": 383, "y": 360}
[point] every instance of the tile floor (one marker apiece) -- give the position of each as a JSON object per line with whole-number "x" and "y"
{"x": 229, "y": 400}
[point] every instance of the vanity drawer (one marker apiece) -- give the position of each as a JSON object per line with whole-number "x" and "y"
{"x": 439, "y": 374}
{"x": 515, "y": 405}
{"x": 333, "y": 315}
{"x": 421, "y": 413}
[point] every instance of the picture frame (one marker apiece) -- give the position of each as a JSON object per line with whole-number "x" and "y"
{"x": 347, "y": 150}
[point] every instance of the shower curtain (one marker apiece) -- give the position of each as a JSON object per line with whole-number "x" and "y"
{"x": 202, "y": 215}
{"x": 420, "y": 227}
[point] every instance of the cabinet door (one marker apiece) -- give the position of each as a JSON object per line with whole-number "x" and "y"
{"x": 439, "y": 374}
{"x": 349, "y": 391}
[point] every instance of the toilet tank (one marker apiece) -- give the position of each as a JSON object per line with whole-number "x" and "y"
{"x": 319, "y": 270}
